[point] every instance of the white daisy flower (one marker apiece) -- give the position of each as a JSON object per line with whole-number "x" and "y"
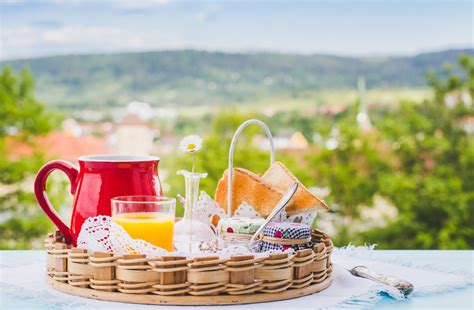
{"x": 190, "y": 144}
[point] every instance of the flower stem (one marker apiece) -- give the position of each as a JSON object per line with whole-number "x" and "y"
{"x": 194, "y": 161}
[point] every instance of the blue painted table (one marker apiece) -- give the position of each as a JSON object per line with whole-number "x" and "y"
{"x": 14, "y": 297}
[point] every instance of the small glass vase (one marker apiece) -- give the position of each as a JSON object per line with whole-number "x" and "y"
{"x": 189, "y": 232}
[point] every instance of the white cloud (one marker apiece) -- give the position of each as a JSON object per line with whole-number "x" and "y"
{"x": 80, "y": 34}
{"x": 28, "y": 41}
{"x": 208, "y": 14}
{"x": 139, "y": 4}
{"x": 7, "y": 2}
{"x": 126, "y": 4}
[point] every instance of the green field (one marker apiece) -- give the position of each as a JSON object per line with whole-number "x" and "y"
{"x": 195, "y": 78}
{"x": 309, "y": 102}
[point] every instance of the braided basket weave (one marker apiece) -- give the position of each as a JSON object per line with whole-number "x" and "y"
{"x": 178, "y": 280}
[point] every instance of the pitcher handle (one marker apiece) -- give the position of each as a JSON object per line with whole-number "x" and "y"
{"x": 42, "y": 198}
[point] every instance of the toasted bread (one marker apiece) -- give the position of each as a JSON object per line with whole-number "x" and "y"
{"x": 250, "y": 188}
{"x": 279, "y": 177}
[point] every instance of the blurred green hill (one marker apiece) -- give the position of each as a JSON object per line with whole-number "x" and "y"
{"x": 189, "y": 77}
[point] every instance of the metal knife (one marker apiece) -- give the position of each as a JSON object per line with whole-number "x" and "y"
{"x": 401, "y": 285}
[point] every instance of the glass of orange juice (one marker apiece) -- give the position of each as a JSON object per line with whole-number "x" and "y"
{"x": 150, "y": 218}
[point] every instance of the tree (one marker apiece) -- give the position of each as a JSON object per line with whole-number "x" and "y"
{"x": 22, "y": 118}
{"x": 420, "y": 158}
{"x": 433, "y": 188}
{"x": 213, "y": 158}
{"x": 214, "y": 154}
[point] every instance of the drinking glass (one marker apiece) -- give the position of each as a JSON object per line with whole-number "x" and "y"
{"x": 150, "y": 218}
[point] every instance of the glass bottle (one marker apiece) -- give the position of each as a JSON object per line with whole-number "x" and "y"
{"x": 189, "y": 232}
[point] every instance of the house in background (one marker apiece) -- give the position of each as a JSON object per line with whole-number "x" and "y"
{"x": 332, "y": 109}
{"x": 132, "y": 135}
{"x": 452, "y": 98}
{"x": 283, "y": 141}
{"x": 166, "y": 144}
{"x": 57, "y": 145}
{"x": 467, "y": 123}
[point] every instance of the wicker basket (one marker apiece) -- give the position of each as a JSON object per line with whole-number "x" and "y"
{"x": 181, "y": 281}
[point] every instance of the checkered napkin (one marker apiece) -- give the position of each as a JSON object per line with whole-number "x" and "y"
{"x": 285, "y": 231}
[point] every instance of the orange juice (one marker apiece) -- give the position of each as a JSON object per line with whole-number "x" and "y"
{"x": 154, "y": 227}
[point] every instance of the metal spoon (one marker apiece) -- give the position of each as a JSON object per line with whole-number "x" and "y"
{"x": 285, "y": 199}
{"x": 403, "y": 286}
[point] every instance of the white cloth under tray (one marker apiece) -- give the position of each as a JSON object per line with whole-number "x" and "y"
{"x": 28, "y": 281}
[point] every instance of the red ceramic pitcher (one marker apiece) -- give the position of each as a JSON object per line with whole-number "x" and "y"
{"x": 98, "y": 179}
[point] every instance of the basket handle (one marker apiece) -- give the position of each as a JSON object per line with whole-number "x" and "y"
{"x": 231, "y": 155}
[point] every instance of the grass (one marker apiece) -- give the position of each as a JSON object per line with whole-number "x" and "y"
{"x": 310, "y": 101}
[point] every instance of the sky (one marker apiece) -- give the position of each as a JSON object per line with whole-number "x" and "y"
{"x": 350, "y": 28}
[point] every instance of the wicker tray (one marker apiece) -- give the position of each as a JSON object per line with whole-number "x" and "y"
{"x": 180, "y": 281}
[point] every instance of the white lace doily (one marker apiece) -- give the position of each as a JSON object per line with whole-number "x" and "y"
{"x": 246, "y": 210}
{"x": 207, "y": 208}
{"x": 101, "y": 234}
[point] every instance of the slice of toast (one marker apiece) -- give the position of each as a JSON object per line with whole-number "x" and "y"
{"x": 250, "y": 188}
{"x": 279, "y": 177}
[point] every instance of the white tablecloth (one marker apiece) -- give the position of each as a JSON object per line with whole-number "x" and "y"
{"x": 26, "y": 281}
